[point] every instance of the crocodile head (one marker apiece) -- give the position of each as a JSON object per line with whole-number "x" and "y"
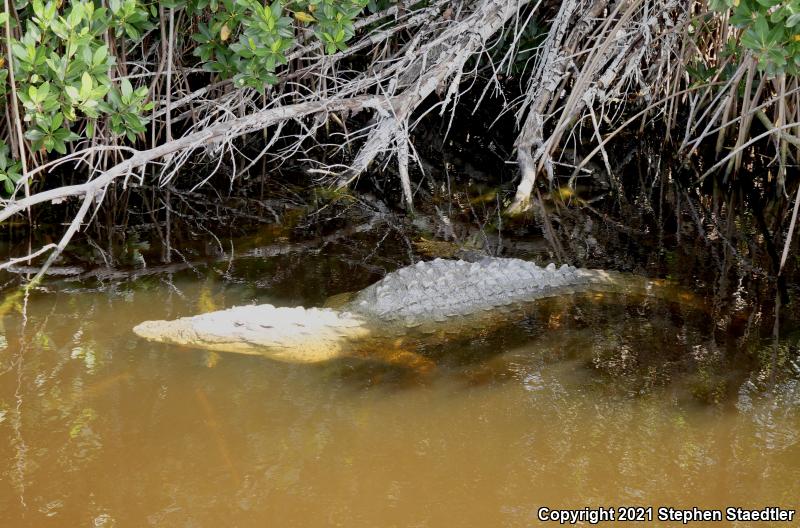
{"x": 296, "y": 335}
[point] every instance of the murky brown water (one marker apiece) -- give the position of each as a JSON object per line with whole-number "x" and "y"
{"x": 586, "y": 402}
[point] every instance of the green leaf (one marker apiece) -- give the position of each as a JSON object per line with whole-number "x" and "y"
{"x": 20, "y": 52}
{"x": 34, "y": 134}
{"x": 132, "y": 32}
{"x": 114, "y": 99}
{"x": 58, "y": 146}
{"x": 276, "y": 9}
{"x": 775, "y": 36}
{"x": 742, "y": 16}
{"x": 44, "y": 91}
{"x": 38, "y": 8}
{"x": 57, "y": 120}
{"x": 75, "y": 15}
{"x": 761, "y": 28}
{"x": 72, "y": 93}
{"x": 86, "y": 85}
{"x": 777, "y": 58}
{"x": 127, "y": 89}
{"x": 100, "y": 55}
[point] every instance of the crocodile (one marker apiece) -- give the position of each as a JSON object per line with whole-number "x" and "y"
{"x": 448, "y": 297}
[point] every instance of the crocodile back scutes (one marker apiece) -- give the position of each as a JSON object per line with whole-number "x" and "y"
{"x": 440, "y": 289}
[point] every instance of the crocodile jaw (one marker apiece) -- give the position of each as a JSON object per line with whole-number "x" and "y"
{"x": 295, "y": 335}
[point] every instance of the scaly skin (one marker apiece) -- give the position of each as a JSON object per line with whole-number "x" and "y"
{"x": 436, "y": 294}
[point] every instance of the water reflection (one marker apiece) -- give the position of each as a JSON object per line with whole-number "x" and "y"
{"x": 585, "y": 401}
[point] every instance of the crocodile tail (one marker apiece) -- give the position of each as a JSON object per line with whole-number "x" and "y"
{"x": 603, "y": 281}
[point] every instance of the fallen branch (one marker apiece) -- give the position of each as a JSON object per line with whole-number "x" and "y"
{"x": 224, "y": 131}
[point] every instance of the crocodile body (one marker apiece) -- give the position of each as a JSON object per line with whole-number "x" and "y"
{"x": 435, "y": 294}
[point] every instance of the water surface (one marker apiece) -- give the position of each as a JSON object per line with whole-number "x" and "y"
{"x": 595, "y": 400}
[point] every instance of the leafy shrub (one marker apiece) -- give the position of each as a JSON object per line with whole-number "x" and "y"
{"x": 770, "y": 29}
{"x": 247, "y": 40}
{"x": 65, "y": 58}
